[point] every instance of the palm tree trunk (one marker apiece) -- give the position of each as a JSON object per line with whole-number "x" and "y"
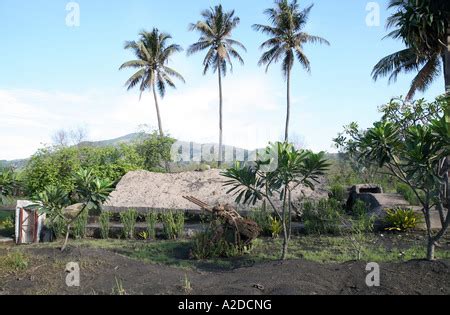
{"x": 285, "y": 227}
{"x": 288, "y": 115}
{"x": 447, "y": 119}
{"x": 447, "y": 65}
{"x": 161, "y": 132}
{"x": 220, "y": 115}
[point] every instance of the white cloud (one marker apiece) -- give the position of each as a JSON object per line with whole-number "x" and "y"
{"x": 253, "y": 114}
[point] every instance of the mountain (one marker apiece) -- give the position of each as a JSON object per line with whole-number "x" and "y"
{"x": 133, "y": 137}
{"x": 113, "y": 142}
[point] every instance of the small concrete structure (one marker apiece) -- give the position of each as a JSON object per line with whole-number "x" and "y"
{"x": 29, "y": 223}
{"x": 378, "y": 202}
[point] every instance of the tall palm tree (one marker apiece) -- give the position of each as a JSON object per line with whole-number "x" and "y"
{"x": 423, "y": 27}
{"x": 216, "y": 38}
{"x": 286, "y": 41}
{"x": 153, "y": 54}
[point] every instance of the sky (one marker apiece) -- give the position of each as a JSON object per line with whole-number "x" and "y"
{"x": 56, "y": 75}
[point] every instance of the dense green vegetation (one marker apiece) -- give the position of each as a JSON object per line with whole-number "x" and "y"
{"x": 55, "y": 166}
{"x": 411, "y": 145}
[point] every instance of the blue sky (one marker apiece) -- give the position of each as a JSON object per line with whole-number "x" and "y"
{"x": 54, "y": 76}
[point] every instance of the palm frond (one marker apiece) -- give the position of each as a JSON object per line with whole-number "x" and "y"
{"x": 425, "y": 77}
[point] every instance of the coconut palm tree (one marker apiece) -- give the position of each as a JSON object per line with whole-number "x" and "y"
{"x": 423, "y": 27}
{"x": 153, "y": 53}
{"x": 215, "y": 30}
{"x": 286, "y": 41}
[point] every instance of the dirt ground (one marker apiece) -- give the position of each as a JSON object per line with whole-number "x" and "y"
{"x": 107, "y": 272}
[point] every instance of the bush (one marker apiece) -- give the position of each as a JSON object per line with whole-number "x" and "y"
{"x": 104, "y": 221}
{"x": 339, "y": 193}
{"x": 359, "y": 209}
{"x": 269, "y": 225}
{"x": 79, "y": 226}
{"x": 402, "y": 220}
{"x": 215, "y": 243}
{"x": 276, "y": 227}
{"x": 151, "y": 218}
{"x": 173, "y": 224}
{"x": 7, "y": 226}
{"x": 362, "y": 220}
{"x": 55, "y": 166}
{"x": 322, "y": 217}
{"x": 128, "y": 219}
{"x": 156, "y": 151}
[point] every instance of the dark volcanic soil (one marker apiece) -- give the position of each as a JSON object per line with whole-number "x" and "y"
{"x": 101, "y": 268}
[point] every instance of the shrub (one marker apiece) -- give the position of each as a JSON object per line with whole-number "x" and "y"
{"x": 7, "y": 226}
{"x": 151, "y": 218}
{"x": 128, "y": 219}
{"x": 339, "y": 193}
{"x": 215, "y": 243}
{"x": 79, "y": 226}
{"x": 173, "y": 224}
{"x": 155, "y": 150}
{"x": 144, "y": 235}
{"x": 402, "y": 219}
{"x": 322, "y": 217}
{"x": 104, "y": 221}
{"x": 269, "y": 225}
{"x": 276, "y": 227}
{"x": 54, "y": 166}
{"x": 362, "y": 220}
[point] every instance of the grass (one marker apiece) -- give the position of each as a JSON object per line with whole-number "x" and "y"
{"x": 324, "y": 249}
{"x": 13, "y": 262}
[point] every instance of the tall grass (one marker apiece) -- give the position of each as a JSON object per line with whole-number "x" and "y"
{"x": 128, "y": 219}
{"x": 173, "y": 224}
{"x": 104, "y": 221}
{"x": 151, "y": 219}
{"x": 79, "y": 226}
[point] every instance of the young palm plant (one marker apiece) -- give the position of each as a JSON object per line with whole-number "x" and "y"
{"x": 153, "y": 53}
{"x": 279, "y": 171}
{"x": 216, "y": 38}
{"x": 286, "y": 42}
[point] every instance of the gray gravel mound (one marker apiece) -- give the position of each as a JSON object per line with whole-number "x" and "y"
{"x": 145, "y": 190}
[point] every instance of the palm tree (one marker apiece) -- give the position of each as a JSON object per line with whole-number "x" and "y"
{"x": 216, "y": 37}
{"x": 153, "y": 53}
{"x": 286, "y": 41}
{"x": 423, "y": 26}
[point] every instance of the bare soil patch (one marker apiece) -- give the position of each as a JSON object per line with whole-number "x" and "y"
{"x": 102, "y": 269}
